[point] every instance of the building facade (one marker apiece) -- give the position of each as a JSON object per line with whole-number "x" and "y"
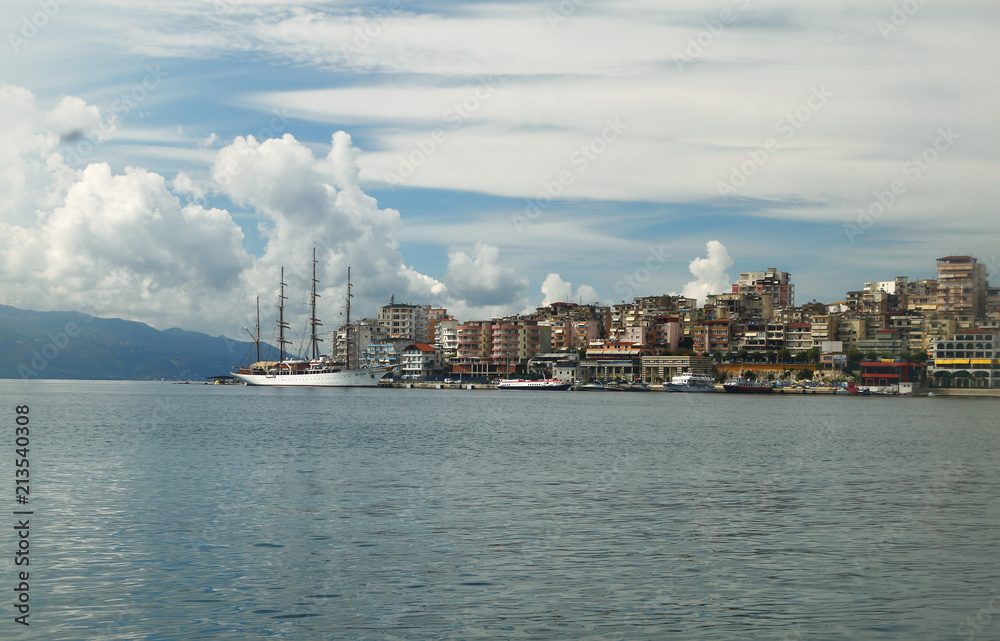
{"x": 771, "y": 282}
{"x": 962, "y": 289}
{"x": 970, "y": 359}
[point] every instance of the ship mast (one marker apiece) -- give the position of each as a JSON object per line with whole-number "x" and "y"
{"x": 282, "y": 325}
{"x": 314, "y": 340}
{"x": 348, "y": 317}
{"x": 256, "y": 337}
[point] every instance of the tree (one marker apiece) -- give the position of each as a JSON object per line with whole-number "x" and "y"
{"x": 870, "y": 355}
{"x": 784, "y": 355}
{"x": 804, "y": 374}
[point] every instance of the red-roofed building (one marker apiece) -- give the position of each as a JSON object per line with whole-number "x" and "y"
{"x": 420, "y": 361}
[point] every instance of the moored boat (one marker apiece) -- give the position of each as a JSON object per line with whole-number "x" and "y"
{"x": 741, "y": 385}
{"x": 523, "y": 384}
{"x": 689, "y": 382}
{"x": 317, "y": 371}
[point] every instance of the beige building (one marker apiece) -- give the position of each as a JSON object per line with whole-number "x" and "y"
{"x": 962, "y": 289}
{"x": 405, "y": 321}
{"x": 660, "y": 369}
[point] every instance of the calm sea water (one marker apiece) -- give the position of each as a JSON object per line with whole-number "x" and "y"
{"x": 166, "y": 511}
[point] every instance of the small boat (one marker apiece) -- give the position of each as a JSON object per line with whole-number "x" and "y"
{"x": 637, "y": 386}
{"x": 593, "y": 386}
{"x": 547, "y": 384}
{"x": 741, "y": 385}
{"x": 689, "y": 382}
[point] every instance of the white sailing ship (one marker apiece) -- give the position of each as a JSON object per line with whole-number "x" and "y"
{"x": 316, "y": 371}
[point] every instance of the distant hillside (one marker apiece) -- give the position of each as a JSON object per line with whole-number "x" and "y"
{"x": 77, "y": 346}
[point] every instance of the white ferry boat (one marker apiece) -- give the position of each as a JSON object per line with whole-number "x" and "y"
{"x": 688, "y": 382}
{"x": 520, "y": 383}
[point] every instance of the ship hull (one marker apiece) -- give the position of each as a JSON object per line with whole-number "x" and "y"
{"x": 671, "y": 387}
{"x": 343, "y": 378}
{"x": 748, "y": 389}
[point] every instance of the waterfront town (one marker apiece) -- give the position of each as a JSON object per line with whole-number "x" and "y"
{"x": 901, "y": 335}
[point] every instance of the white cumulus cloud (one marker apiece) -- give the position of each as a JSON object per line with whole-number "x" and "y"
{"x": 557, "y": 290}
{"x": 710, "y": 273}
{"x": 480, "y": 279}
{"x": 135, "y": 245}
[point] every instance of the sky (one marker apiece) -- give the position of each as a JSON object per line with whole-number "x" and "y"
{"x": 163, "y": 161}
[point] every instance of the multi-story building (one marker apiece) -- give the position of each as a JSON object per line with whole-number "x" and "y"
{"x": 712, "y": 336}
{"x": 850, "y": 331}
{"x": 993, "y": 303}
{"x": 384, "y": 354}
{"x": 885, "y": 343}
{"x": 365, "y": 332}
{"x": 613, "y": 360}
{"x": 572, "y": 335}
{"x": 435, "y": 315}
{"x": 759, "y": 336}
{"x": 923, "y": 297}
{"x": 420, "y": 361}
{"x": 823, "y": 329}
{"x": 971, "y": 358}
{"x": 660, "y": 369}
{"x": 517, "y": 340}
{"x": 777, "y": 284}
{"x": 562, "y": 365}
{"x": 935, "y": 329}
{"x": 475, "y": 340}
{"x": 798, "y": 337}
{"x": 405, "y": 321}
{"x": 738, "y": 306}
{"x": 446, "y": 335}
{"x": 962, "y": 289}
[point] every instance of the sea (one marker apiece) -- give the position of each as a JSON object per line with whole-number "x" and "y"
{"x": 163, "y": 511}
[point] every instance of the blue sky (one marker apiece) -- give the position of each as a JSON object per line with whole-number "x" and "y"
{"x": 500, "y": 155}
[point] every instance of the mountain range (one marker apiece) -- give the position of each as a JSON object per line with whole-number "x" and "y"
{"x": 72, "y": 345}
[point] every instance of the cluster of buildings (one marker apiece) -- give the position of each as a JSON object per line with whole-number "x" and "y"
{"x": 944, "y": 330}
